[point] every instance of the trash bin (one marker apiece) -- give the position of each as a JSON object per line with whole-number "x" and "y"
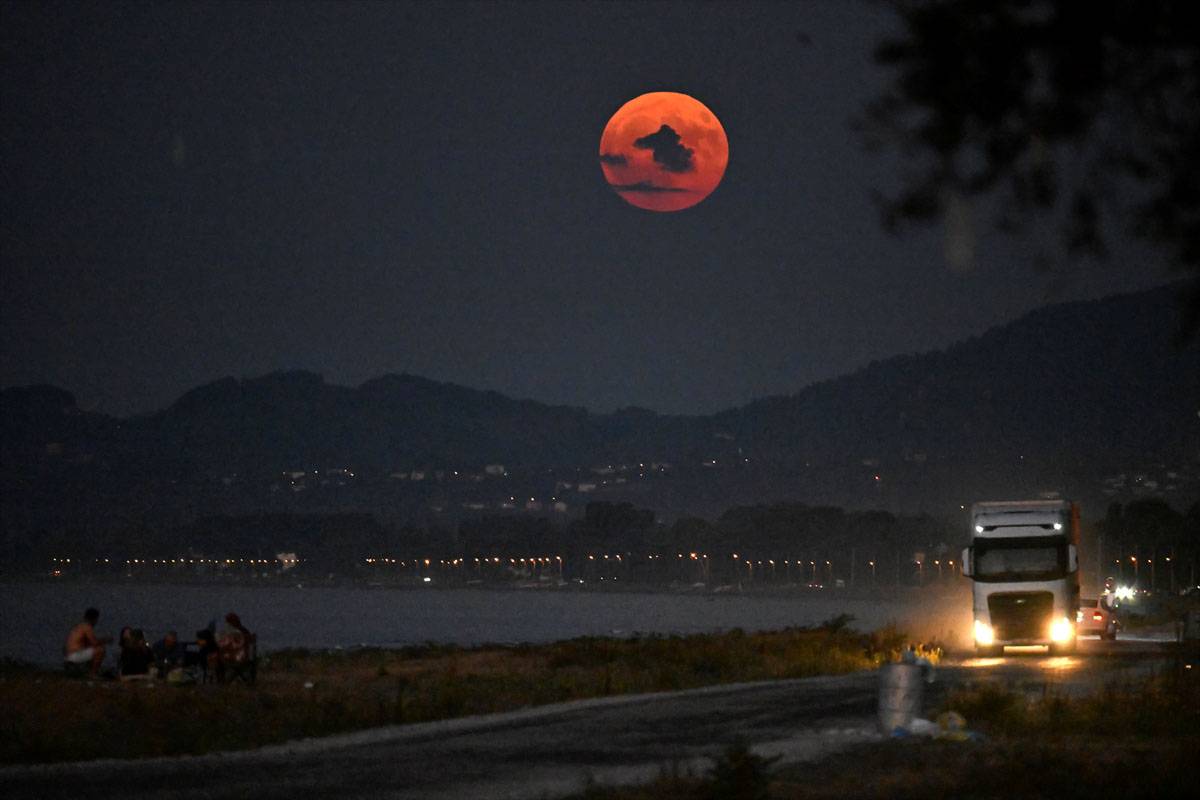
{"x": 901, "y": 694}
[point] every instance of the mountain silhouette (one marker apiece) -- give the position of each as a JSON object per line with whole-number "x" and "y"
{"x": 1078, "y": 397}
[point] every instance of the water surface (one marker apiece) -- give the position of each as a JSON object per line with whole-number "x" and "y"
{"x": 35, "y": 617}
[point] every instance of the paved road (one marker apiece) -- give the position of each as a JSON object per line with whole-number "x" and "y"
{"x": 554, "y": 752}
{"x": 1095, "y": 665}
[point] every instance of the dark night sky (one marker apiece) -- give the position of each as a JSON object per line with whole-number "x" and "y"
{"x": 193, "y": 191}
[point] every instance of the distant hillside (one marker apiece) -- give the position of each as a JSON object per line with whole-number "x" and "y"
{"x": 1066, "y": 392}
{"x": 295, "y": 420}
{"x": 1065, "y": 398}
{"x": 1095, "y": 377}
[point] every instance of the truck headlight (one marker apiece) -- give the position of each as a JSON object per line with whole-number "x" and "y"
{"x": 984, "y": 634}
{"x": 1061, "y": 630}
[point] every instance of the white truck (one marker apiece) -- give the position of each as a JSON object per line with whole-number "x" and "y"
{"x": 1024, "y": 564}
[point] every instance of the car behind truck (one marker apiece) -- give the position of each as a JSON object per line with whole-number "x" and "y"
{"x": 1024, "y": 564}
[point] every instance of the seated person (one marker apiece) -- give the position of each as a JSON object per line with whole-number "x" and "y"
{"x": 168, "y": 653}
{"x": 235, "y": 640}
{"x": 83, "y": 646}
{"x": 207, "y": 654}
{"x": 136, "y": 656}
{"x": 124, "y": 639}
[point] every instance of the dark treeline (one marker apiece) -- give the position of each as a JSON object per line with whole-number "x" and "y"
{"x": 789, "y": 542}
{"x": 1146, "y": 542}
{"x": 796, "y": 542}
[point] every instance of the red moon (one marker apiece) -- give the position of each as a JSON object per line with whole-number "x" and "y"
{"x": 663, "y": 151}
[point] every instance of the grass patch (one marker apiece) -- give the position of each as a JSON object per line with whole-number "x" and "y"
{"x": 49, "y": 717}
{"x": 1076, "y": 768}
{"x": 1069, "y": 768}
{"x": 1162, "y": 707}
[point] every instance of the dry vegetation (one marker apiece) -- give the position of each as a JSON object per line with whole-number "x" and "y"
{"x": 49, "y": 717}
{"x": 919, "y": 770}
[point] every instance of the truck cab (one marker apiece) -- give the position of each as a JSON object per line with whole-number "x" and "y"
{"x": 1024, "y": 565}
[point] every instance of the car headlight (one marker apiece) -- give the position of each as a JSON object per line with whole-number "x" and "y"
{"x": 984, "y": 634}
{"x": 1061, "y": 630}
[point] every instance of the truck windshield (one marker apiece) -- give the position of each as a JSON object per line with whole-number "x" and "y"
{"x": 1020, "y": 560}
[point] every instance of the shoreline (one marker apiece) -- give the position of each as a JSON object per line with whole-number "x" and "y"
{"x": 780, "y": 589}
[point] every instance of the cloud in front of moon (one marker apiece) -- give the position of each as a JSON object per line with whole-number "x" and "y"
{"x": 667, "y": 150}
{"x": 663, "y": 151}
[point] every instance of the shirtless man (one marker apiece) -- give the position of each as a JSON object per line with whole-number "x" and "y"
{"x": 83, "y": 645}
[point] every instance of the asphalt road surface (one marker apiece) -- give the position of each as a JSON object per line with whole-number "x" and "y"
{"x": 556, "y": 751}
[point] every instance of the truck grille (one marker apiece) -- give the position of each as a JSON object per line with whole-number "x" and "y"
{"x": 1021, "y": 615}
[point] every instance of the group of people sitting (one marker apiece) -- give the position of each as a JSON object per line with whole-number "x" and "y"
{"x": 209, "y": 656}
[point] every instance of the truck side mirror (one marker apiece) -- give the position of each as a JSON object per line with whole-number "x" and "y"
{"x": 968, "y": 561}
{"x": 1072, "y": 558}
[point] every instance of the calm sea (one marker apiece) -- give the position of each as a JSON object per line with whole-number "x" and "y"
{"x": 35, "y": 617}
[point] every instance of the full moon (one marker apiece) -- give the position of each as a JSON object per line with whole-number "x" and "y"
{"x": 663, "y": 151}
